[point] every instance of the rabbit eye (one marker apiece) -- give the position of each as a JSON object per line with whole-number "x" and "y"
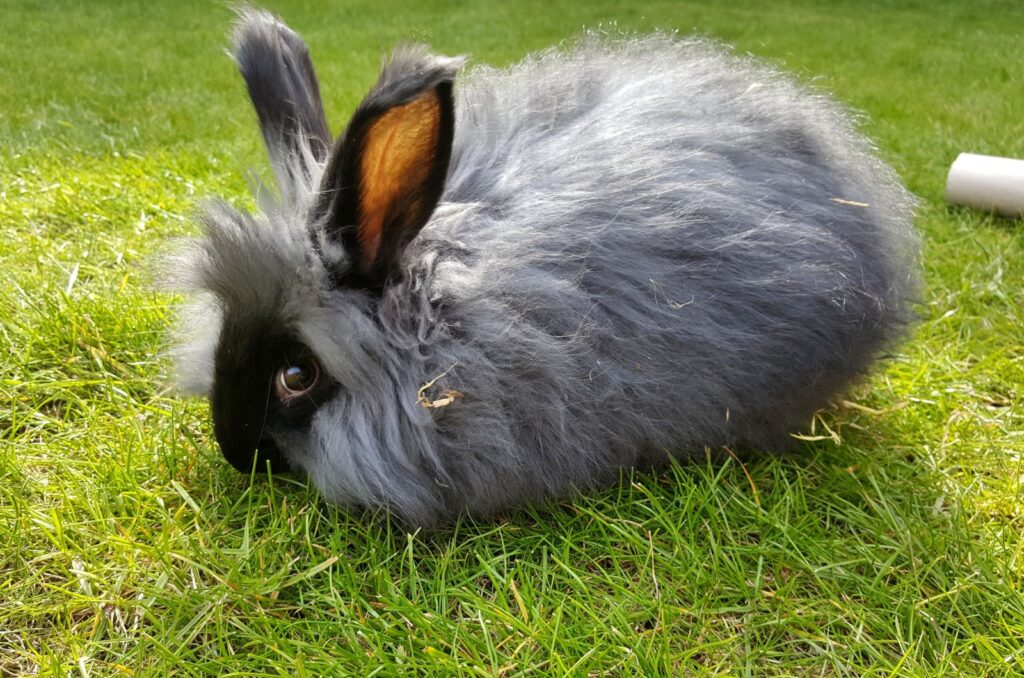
{"x": 297, "y": 378}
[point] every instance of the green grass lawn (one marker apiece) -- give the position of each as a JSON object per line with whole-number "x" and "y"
{"x": 890, "y": 545}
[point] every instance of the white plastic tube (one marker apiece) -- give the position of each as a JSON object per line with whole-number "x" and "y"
{"x": 988, "y": 182}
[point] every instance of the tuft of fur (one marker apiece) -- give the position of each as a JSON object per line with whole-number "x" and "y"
{"x": 646, "y": 246}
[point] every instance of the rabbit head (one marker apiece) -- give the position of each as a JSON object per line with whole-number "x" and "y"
{"x": 284, "y": 311}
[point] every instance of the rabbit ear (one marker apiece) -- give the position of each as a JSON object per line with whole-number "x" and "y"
{"x": 283, "y": 87}
{"x": 388, "y": 170}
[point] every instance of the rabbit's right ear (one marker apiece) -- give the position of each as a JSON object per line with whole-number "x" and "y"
{"x": 387, "y": 172}
{"x": 283, "y": 87}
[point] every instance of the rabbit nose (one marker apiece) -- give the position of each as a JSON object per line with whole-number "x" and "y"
{"x": 266, "y": 452}
{"x": 242, "y": 442}
{"x": 239, "y": 424}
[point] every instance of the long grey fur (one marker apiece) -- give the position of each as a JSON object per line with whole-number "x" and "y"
{"x": 646, "y": 247}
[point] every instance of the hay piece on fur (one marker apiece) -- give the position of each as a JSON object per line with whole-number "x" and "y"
{"x": 851, "y": 203}
{"x": 448, "y": 396}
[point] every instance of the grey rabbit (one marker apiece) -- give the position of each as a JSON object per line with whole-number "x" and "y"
{"x": 510, "y": 287}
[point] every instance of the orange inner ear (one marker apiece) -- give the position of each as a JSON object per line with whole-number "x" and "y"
{"x": 397, "y": 157}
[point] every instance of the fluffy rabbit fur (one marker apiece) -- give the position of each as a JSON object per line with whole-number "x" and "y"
{"x": 510, "y": 284}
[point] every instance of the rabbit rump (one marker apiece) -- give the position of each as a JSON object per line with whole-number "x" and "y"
{"x": 510, "y": 287}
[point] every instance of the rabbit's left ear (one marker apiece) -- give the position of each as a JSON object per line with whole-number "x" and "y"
{"x": 282, "y": 84}
{"x": 387, "y": 171}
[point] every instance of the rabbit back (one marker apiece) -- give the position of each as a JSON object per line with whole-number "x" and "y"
{"x": 647, "y": 248}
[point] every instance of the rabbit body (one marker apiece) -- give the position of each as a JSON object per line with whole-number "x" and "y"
{"x": 643, "y": 248}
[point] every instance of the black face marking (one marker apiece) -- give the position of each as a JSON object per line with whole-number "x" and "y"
{"x": 245, "y": 403}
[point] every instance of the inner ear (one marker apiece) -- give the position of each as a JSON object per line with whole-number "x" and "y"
{"x": 387, "y": 172}
{"x": 400, "y": 176}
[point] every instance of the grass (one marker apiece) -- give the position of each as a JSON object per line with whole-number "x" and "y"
{"x": 890, "y": 546}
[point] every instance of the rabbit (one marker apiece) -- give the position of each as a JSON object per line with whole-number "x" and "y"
{"x": 507, "y": 286}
